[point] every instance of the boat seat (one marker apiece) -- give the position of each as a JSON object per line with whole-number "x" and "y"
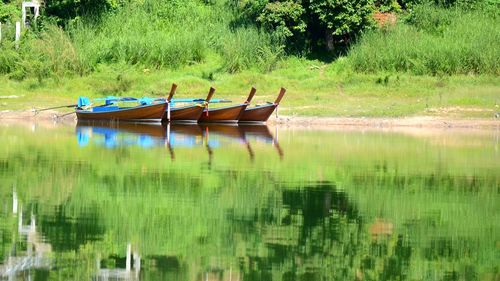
{"x": 105, "y": 108}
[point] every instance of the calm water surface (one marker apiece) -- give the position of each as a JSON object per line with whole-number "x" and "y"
{"x": 247, "y": 203}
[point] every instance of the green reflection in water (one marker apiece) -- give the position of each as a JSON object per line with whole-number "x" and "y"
{"x": 229, "y": 203}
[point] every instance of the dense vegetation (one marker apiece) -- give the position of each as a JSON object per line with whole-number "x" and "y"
{"x": 75, "y": 37}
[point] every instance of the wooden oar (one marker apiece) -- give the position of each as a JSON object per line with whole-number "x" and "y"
{"x": 55, "y": 107}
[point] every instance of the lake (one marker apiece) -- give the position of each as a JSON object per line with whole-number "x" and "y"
{"x": 208, "y": 202}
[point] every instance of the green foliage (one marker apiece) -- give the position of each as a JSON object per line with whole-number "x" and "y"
{"x": 437, "y": 42}
{"x": 64, "y": 10}
{"x": 50, "y": 55}
{"x": 247, "y": 11}
{"x": 9, "y": 12}
{"x": 152, "y": 34}
{"x": 248, "y": 47}
{"x": 310, "y": 23}
{"x": 343, "y": 17}
{"x": 286, "y": 17}
{"x": 8, "y": 58}
{"x": 251, "y": 35}
{"x": 430, "y": 19}
{"x": 387, "y": 6}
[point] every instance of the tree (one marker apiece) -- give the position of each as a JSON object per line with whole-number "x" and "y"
{"x": 64, "y": 10}
{"x": 342, "y": 18}
{"x": 286, "y": 16}
{"x": 310, "y": 23}
{"x": 9, "y": 11}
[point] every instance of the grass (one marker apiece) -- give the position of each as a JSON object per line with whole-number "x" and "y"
{"x": 154, "y": 35}
{"x": 313, "y": 89}
{"x": 433, "y": 41}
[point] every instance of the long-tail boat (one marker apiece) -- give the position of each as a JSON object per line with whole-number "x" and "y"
{"x": 261, "y": 113}
{"x": 229, "y": 114}
{"x": 189, "y": 113}
{"x": 111, "y": 112}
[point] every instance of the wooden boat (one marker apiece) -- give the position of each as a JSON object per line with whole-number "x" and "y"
{"x": 141, "y": 113}
{"x": 263, "y": 112}
{"x": 189, "y": 113}
{"x": 229, "y": 114}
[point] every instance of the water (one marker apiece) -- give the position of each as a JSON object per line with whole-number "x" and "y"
{"x": 247, "y": 203}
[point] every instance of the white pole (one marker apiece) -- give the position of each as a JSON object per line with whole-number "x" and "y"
{"x": 24, "y": 14}
{"x": 18, "y": 33}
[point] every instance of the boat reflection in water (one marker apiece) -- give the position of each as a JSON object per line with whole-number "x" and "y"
{"x": 171, "y": 136}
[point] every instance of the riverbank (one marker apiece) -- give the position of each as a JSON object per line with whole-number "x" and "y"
{"x": 53, "y": 116}
{"x": 314, "y": 89}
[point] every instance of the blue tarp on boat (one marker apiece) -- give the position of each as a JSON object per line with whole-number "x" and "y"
{"x": 83, "y": 101}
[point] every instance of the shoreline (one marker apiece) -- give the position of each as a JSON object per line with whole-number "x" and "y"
{"x": 390, "y": 122}
{"x": 300, "y": 122}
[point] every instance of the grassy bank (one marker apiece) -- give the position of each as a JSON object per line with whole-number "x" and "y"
{"x": 314, "y": 89}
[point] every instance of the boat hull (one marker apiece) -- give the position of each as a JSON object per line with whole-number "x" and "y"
{"x": 184, "y": 114}
{"x": 143, "y": 113}
{"x": 223, "y": 115}
{"x": 257, "y": 114}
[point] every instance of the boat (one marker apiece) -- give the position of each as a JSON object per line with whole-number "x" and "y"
{"x": 111, "y": 112}
{"x": 189, "y": 113}
{"x": 261, "y": 113}
{"x": 229, "y": 114}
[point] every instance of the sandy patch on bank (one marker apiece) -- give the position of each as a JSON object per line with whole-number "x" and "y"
{"x": 292, "y": 121}
{"x": 13, "y": 116}
{"x": 415, "y": 122}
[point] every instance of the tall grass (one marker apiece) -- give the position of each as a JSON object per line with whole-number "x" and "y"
{"x": 155, "y": 34}
{"x": 248, "y": 47}
{"x": 51, "y": 53}
{"x": 169, "y": 35}
{"x": 434, "y": 41}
